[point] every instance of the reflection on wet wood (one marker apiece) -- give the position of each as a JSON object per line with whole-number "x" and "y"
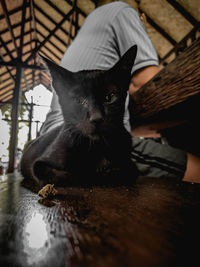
{"x": 152, "y": 223}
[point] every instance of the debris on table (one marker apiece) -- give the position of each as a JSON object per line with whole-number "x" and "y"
{"x": 47, "y": 191}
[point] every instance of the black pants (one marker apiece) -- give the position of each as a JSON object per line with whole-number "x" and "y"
{"x": 155, "y": 159}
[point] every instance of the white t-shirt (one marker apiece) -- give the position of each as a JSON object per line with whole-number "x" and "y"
{"x": 107, "y": 33}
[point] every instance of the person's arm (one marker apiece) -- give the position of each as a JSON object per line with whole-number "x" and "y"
{"x": 141, "y": 77}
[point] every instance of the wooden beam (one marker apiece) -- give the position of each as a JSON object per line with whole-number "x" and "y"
{"x": 14, "y": 126}
{"x": 22, "y": 39}
{"x": 8, "y": 98}
{"x": 51, "y": 52}
{"x": 173, "y": 94}
{"x": 25, "y": 44}
{"x": 59, "y": 11}
{"x": 71, "y": 22}
{"x": 27, "y": 121}
{"x": 34, "y": 41}
{"x": 5, "y": 12}
{"x": 23, "y": 65}
{"x": 16, "y": 38}
{"x": 5, "y": 93}
{"x": 4, "y": 103}
{"x": 183, "y": 12}
{"x": 76, "y": 21}
{"x": 30, "y": 119}
{"x": 58, "y": 48}
{"x": 32, "y": 12}
{"x": 6, "y": 86}
{"x": 78, "y": 9}
{"x": 159, "y": 29}
{"x": 95, "y": 2}
{"x": 49, "y": 36}
{"x": 182, "y": 42}
{"x": 56, "y": 36}
{"x": 22, "y": 30}
{"x": 54, "y": 22}
{"x": 13, "y": 11}
{"x": 8, "y": 52}
{"x": 29, "y": 81}
{"x": 14, "y": 26}
{"x": 18, "y": 50}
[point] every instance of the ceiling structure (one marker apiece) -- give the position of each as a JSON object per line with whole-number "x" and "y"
{"x": 29, "y": 27}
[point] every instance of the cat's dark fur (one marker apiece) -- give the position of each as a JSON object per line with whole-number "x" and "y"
{"x": 92, "y": 145}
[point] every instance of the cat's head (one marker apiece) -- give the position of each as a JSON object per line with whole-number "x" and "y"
{"x": 93, "y": 101}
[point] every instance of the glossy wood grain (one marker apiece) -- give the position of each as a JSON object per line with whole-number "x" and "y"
{"x": 152, "y": 223}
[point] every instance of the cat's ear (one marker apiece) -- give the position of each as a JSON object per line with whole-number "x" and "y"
{"x": 126, "y": 62}
{"x": 60, "y": 76}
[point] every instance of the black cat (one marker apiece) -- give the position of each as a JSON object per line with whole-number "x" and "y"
{"x": 92, "y": 145}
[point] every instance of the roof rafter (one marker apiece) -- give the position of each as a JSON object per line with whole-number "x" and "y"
{"x": 14, "y": 27}
{"x": 6, "y": 15}
{"x": 78, "y": 9}
{"x": 53, "y": 44}
{"x": 52, "y": 20}
{"x": 18, "y": 50}
{"x": 72, "y": 21}
{"x": 13, "y": 11}
{"x": 159, "y": 29}
{"x": 33, "y": 41}
{"x": 182, "y": 42}
{"x": 183, "y": 12}
{"x": 60, "y": 12}
{"x": 21, "y": 64}
{"x": 51, "y": 52}
{"x": 22, "y": 30}
{"x": 8, "y": 53}
{"x": 16, "y": 38}
{"x": 55, "y": 35}
{"x": 4, "y": 87}
{"x": 51, "y": 34}
{"x": 6, "y": 94}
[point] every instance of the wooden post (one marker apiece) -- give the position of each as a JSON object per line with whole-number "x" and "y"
{"x": 30, "y": 119}
{"x": 14, "y": 126}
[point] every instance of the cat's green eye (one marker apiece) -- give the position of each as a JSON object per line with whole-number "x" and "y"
{"x": 111, "y": 98}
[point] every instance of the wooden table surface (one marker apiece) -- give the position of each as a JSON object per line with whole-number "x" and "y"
{"x": 154, "y": 222}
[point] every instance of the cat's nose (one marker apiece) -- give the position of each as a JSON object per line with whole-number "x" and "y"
{"x": 96, "y": 117}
